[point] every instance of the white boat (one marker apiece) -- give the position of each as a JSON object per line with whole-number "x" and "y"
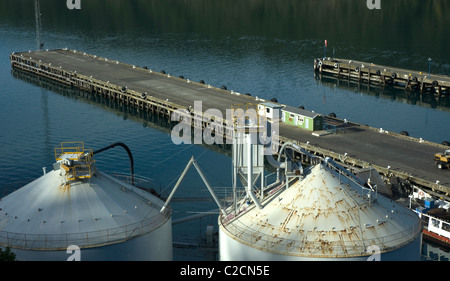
{"x": 435, "y": 217}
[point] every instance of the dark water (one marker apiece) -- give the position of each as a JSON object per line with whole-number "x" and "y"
{"x": 265, "y": 48}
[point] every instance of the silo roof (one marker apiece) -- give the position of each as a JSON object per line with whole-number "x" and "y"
{"x": 47, "y": 214}
{"x": 324, "y": 215}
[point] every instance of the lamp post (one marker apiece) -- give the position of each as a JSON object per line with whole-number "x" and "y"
{"x": 429, "y": 68}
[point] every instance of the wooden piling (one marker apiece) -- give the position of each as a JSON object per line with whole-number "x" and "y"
{"x": 371, "y": 73}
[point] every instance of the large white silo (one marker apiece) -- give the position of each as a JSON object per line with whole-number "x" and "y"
{"x": 78, "y": 212}
{"x": 325, "y": 216}
{"x": 318, "y": 213}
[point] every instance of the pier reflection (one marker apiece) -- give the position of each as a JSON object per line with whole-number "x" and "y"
{"x": 128, "y": 112}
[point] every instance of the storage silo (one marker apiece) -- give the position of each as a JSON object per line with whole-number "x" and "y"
{"x": 325, "y": 215}
{"x": 76, "y": 211}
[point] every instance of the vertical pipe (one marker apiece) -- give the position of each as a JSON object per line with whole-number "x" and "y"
{"x": 234, "y": 171}
{"x": 262, "y": 185}
{"x": 249, "y": 163}
{"x": 287, "y": 178}
{"x": 250, "y": 172}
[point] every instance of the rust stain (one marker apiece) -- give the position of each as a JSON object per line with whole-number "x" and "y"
{"x": 323, "y": 222}
{"x": 64, "y": 188}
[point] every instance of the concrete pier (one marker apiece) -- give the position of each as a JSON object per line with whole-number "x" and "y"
{"x": 353, "y": 144}
{"x": 383, "y": 75}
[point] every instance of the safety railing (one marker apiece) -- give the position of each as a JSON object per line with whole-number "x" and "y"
{"x": 325, "y": 246}
{"x": 77, "y": 161}
{"x": 69, "y": 148}
{"x": 82, "y": 239}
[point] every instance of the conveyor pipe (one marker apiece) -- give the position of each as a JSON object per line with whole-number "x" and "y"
{"x": 129, "y": 155}
{"x": 344, "y": 170}
{"x": 280, "y": 164}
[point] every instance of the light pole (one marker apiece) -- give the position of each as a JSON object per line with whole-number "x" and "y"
{"x": 429, "y": 68}
{"x": 37, "y": 15}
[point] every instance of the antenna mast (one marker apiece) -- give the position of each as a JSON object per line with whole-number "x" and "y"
{"x": 37, "y": 12}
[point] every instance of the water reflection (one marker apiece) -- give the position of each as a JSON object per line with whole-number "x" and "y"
{"x": 433, "y": 252}
{"x": 146, "y": 118}
{"x": 264, "y": 47}
{"x": 401, "y": 33}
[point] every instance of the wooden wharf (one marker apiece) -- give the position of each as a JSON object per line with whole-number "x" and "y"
{"x": 355, "y": 145}
{"x": 384, "y": 75}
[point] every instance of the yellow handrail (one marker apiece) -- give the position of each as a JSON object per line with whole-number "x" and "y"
{"x": 82, "y": 162}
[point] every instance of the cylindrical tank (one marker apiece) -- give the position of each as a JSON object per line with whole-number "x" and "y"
{"x": 325, "y": 216}
{"x": 93, "y": 217}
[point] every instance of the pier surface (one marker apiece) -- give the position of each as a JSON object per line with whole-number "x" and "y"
{"x": 356, "y": 145}
{"x": 383, "y": 75}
